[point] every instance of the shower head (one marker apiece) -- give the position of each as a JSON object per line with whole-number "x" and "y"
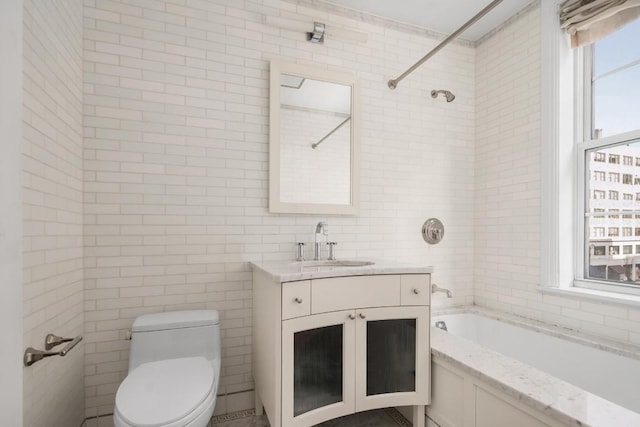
{"x": 450, "y": 97}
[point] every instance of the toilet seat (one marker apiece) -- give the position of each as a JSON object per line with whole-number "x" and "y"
{"x": 167, "y": 393}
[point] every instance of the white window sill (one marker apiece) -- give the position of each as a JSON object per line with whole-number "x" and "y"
{"x": 594, "y": 295}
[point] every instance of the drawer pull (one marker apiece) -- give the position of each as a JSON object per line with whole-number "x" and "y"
{"x": 416, "y": 291}
{"x": 352, "y": 317}
{"x": 298, "y": 300}
{"x": 362, "y": 316}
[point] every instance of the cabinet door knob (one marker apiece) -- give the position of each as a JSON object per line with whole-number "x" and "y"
{"x": 298, "y": 300}
{"x": 416, "y": 291}
{"x": 362, "y": 315}
{"x": 352, "y": 317}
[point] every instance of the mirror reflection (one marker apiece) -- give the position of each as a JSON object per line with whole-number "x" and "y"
{"x": 315, "y": 141}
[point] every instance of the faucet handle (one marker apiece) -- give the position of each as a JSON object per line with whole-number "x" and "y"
{"x": 300, "y": 256}
{"x": 332, "y": 250}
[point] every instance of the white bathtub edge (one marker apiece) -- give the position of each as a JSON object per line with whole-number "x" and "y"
{"x": 555, "y": 398}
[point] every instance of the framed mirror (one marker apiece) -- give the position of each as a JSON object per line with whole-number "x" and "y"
{"x": 313, "y": 140}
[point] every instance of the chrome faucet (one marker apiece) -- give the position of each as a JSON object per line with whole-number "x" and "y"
{"x": 321, "y": 228}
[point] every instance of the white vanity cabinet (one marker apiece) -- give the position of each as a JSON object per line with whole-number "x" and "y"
{"x": 329, "y": 347}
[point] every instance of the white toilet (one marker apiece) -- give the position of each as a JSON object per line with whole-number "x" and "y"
{"x": 174, "y": 369}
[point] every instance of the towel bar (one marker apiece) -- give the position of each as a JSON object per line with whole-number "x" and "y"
{"x": 32, "y": 355}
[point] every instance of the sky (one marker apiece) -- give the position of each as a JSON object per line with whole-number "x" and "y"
{"x": 617, "y": 96}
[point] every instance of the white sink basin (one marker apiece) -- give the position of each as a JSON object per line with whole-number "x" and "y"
{"x": 338, "y": 263}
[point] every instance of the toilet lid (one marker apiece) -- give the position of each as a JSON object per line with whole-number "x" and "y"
{"x": 162, "y": 392}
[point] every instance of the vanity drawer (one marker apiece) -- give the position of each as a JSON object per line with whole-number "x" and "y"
{"x": 296, "y": 299}
{"x": 344, "y": 293}
{"x": 415, "y": 289}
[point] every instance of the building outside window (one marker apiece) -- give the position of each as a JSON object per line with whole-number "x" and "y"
{"x": 614, "y": 177}
{"x": 599, "y": 176}
{"x": 613, "y": 232}
{"x": 627, "y": 178}
{"x": 626, "y": 231}
{"x": 627, "y": 160}
{"x": 613, "y": 158}
{"x": 613, "y": 195}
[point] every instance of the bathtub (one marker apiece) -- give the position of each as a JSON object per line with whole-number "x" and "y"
{"x": 497, "y": 373}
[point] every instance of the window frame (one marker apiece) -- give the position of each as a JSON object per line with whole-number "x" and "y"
{"x": 558, "y": 253}
{"x": 584, "y": 144}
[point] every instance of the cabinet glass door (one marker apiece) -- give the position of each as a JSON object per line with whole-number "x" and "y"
{"x": 392, "y": 357}
{"x": 317, "y": 368}
{"x": 318, "y": 357}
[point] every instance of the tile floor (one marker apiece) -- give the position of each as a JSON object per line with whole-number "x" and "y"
{"x": 377, "y": 418}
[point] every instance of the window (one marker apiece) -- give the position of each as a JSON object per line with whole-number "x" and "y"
{"x": 599, "y": 176}
{"x": 598, "y": 210}
{"x": 597, "y": 232}
{"x": 611, "y": 133}
{"x": 614, "y": 216}
{"x": 600, "y": 250}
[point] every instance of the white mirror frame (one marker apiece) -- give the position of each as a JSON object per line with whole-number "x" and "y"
{"x": 340, "y": 77}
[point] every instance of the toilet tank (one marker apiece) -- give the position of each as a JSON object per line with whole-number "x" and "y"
{"x": 175, "y": 334}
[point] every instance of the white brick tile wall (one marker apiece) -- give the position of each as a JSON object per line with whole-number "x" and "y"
{"x": 162, "y": 175}
{"x": 52, "y": 208}
{"x": 176, "y": 161}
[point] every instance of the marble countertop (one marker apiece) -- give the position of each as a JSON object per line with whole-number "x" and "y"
{"x": 305, "y": 270}
{"x": 564, "y": 402}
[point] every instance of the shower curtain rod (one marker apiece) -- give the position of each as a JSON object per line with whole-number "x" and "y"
{"x": 394, "y": 83}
